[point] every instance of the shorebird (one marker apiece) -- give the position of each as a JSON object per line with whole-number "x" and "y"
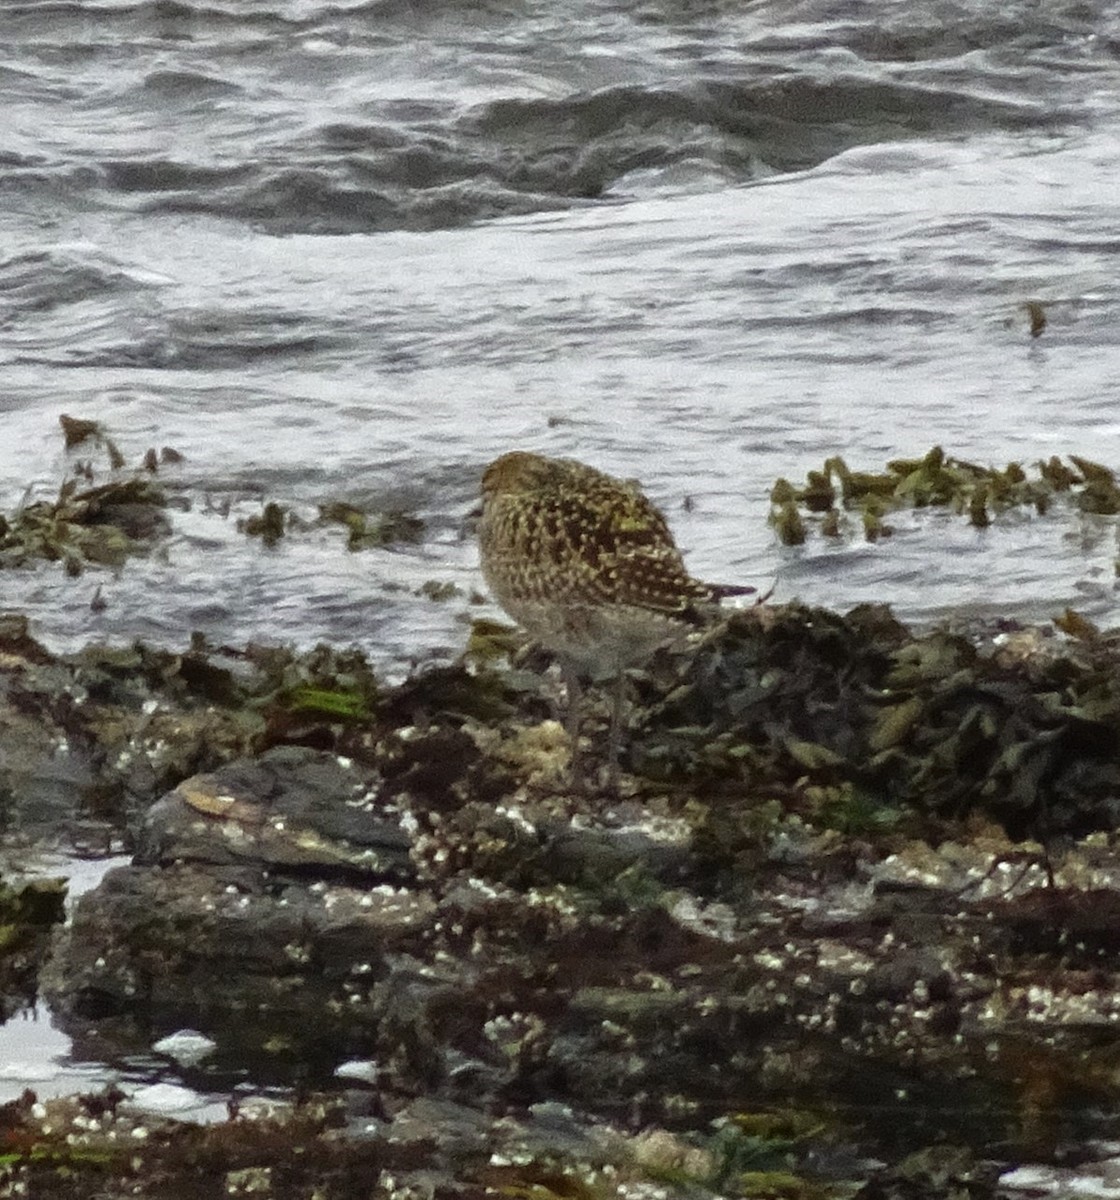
{"x": 586, "y": 564}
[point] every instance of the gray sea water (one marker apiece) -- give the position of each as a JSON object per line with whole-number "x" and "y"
{"x": 352, "y": 251}
{"x": 334, "y": 250}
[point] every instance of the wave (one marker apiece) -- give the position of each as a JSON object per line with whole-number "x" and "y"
{"x": 278, "y": 116}
{"x": 515, "y": 156}
{"x": 77, "y": 307}
{"x": 41, "y": 281}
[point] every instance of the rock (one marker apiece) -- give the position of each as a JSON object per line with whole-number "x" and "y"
{"x": 806, "y": 896}
{"x": 291, "y": 808}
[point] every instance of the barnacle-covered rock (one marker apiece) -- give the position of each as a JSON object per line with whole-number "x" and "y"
{"x": 851, "y": 869}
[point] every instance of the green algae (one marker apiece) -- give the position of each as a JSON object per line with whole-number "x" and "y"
{"x": 756, "y": 1155}
{"x": 364, "y": 530}
{"x": 784, "y": 515}
{"x": 851, "y": 810}
{"x": 333, "y": 704}
{"x": 104, "y": 523}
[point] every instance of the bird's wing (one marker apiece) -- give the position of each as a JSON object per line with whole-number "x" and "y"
{"x": 625, "y": 552}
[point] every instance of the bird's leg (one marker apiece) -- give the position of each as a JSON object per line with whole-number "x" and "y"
{"x": 574, "y": 689}
{"x": 614, "y": 741}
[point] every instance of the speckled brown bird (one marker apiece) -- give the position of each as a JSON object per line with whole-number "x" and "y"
{"x": 587, "y": 566}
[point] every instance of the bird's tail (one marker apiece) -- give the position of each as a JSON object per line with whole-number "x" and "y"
{"x": 722, "y": 591}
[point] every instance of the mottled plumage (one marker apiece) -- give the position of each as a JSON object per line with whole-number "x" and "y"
{"x": 587, "y": 565}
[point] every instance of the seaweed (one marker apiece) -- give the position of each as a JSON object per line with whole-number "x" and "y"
{"x": 835, "y": 500}
{"x": 377, "y": 530}
{"x": 862, "y": 727}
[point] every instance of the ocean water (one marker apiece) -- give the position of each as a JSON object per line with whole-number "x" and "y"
{"x": 335, "y": 250}
{"x": 352, "y": 251}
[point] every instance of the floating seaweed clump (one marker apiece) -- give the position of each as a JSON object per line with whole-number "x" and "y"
{"x": 102, "y": 525}
{"x": 837, "y": 499}
{"x": 372, "y": 529}
{"x": 268, "y": 524}
{"x": 87, "y": 523}
{"x": 364, "y": 530}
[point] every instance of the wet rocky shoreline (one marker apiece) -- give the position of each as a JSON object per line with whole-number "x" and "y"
{"x": 848, "y": 928}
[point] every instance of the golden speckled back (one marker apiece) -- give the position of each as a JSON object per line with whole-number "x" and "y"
{"x": 583, "y": 560}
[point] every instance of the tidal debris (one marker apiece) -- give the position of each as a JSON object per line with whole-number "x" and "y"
{"x": 376, "y": 530}
{"x": 100, "y": 525}
{"x": 269, "y": 524}
{"x": 364, "y": 530}
{"x": 77, "y": 431}
{"x": 87, "y": 524}
{"x": 94, "y": 522}
{"x": 1036, "y": 313}
{"x": 837, "y": 501}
